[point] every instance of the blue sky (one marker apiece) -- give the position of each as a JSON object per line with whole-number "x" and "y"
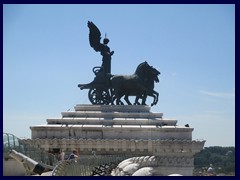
{"x": 46, "y": 54}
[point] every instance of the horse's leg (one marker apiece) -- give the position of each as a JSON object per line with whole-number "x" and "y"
{"x": 112, "y": 95}
{"x": 127, "y": 100}
{"x": 154, "y": 94}
{"x": 156, "y": 98}
{"x": 149, "y": 93}
{"x": 144, "y": 98}
{"x": 118, "y": 101}
{"x": 136, "y": 100}
{"x": 157, "y": 94}
{"x": 116, "y": 97}
{"x": 119, "y": 96}
{"x": 113, "y": 99}
{"x": 138, "y": 96}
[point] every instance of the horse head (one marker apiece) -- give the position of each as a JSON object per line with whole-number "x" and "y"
{"x": 147, "y": 71}
{"x": 142, "y": 68}
{"x": 155, "y": 73}
{"x": 152, "y": 73}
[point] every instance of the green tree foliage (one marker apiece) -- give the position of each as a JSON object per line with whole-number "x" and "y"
{"x": 221, "y": 158}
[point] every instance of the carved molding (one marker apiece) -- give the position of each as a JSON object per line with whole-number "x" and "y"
{"x": 150, "y": 147}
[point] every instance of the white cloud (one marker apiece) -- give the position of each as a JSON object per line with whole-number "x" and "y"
{"x": 218, "y": 94}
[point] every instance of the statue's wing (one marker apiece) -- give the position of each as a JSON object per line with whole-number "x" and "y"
{"x": 94, "y": 36}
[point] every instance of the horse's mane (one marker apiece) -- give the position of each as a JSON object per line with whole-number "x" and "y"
{"x": 140, "y": 66}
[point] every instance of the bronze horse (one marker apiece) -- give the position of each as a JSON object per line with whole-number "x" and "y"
{"x": 152, "y": 77}
{"x": 139, "y": 84}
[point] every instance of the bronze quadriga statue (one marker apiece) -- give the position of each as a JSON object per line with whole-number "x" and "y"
{"x": 109, "y": 89}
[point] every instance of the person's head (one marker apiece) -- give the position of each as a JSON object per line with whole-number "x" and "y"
{"x": 75, "y": 152}
{"x": 105, "y": 40}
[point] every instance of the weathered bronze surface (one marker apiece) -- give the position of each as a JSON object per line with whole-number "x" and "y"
{"x": 109, "y": 89}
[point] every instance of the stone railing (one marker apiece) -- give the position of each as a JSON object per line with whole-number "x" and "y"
{"x": 116, "y": 146}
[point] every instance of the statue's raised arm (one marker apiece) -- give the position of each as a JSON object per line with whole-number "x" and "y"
{"x": 95, "y": 43}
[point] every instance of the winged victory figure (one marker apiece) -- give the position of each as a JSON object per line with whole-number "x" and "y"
{"x": 95, "y": 43}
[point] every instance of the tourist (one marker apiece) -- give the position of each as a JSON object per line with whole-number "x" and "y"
{"x": 73, "y": 155}
{"x": 61, "y": 155}
{"x": 211, "y": 171}
{"x": 51, "y": 158}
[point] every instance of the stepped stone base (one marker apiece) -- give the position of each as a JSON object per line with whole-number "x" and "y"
{"x": 118, "y": 130}
{"x": 112, "y": 122}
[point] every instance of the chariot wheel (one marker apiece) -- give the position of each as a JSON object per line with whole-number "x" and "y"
{"x": 99, "y": 96}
